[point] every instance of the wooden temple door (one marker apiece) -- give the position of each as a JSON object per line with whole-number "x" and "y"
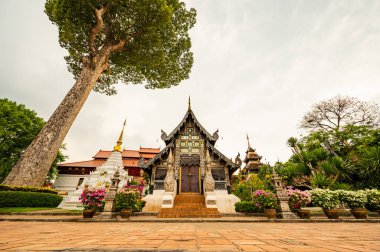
{"x": 190, "y": 178}
{"x": 190, "y": 173}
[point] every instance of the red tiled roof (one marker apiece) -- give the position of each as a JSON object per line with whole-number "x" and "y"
{"x": 148, "y": 155}
{"x": 129, "y": 153}
{"x": 98, "y": 162}
{"x": 131, "y": 163}
{"x": 149, "y": 150}
{"x": 124, "y": 154}
{"x": 130, "y": 158}
{"x": 89, "y": 163}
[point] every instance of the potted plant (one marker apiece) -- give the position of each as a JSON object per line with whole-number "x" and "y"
{"x": 356, "y": 201}
{"x": 297, "y": 200}
{"x": 373, "y": 200}
{"x": 327, "y": 200}
{"x": 92, "y": 201}
{"x": 267, "y": 201}
{"x": 127, "y": 201}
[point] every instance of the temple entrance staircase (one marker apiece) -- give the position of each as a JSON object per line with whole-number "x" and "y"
{"x": 189, "y": 205}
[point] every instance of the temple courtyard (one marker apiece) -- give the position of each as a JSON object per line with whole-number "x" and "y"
{"x": 179, "y": 236}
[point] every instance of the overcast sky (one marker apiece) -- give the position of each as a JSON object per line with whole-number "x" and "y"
{"x": 258, "y": 67}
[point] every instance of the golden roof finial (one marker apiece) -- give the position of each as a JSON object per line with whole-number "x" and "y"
{"x": 189, "y": 103}
{"x": 120, "y": 141}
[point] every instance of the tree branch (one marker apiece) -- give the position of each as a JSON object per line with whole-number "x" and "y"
{"x": 117, "y": 47}
{"x": 97, "y": 28}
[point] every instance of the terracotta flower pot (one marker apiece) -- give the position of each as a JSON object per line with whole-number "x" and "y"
{"x": 332, "y": 213}
{"x": 270, "y": 213}
{"x": 359, "y": 213}
{"x": 303, "y": 213}
{"x": 88, "y": 213}
{"x": 125, "y": 213}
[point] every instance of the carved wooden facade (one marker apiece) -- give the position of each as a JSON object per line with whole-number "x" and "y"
{"x": 189, "y": 142}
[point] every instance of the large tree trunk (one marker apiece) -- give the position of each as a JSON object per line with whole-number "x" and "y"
{"x": 34, "y": 164}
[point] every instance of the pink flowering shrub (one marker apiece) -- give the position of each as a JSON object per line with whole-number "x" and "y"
{"x": 298, "y": 198}
{"x": 264, "y": 199}
{"x": 93, "y": 199}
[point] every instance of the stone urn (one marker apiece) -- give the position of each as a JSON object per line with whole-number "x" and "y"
{"x": 88, "y": 213}
{"x": 332, "y": 213}
{"x": 359, "y": 213}
{"x": 303, "y": 213}
{"x": 125, "y": 213}
{"x": 270, "y": 213}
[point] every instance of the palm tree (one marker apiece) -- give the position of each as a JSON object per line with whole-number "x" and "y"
{"x": 369, "y": 163}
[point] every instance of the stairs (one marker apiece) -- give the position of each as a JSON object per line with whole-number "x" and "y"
{"x": 189, "y": 205}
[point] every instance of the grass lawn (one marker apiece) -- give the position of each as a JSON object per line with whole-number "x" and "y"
{"x": 24, "y": 209}
{"x": 31, "y": 209}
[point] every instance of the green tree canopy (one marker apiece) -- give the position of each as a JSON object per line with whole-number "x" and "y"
{"x": 18, "y": 128}
{"x": 139, "y": 42}
{"x": 149, "y": 39}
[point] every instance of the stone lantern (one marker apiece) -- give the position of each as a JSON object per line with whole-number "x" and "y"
{"x": 109, "y": 207}
{"x": 283, "y": 197}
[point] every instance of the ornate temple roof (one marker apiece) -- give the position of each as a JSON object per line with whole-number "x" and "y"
{"x": 164, "y": 152}
{"x": 210, "y": 142}
{"x": 233, "y": 166}
{"x": 251, "y": 153}
{"x": 169, "y": 138}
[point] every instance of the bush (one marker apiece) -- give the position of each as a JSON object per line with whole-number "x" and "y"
{"x": 325, "y": 198}
{"x": 246, "y": 207}
{"x": 27, "y": 189}
{"x": 373, "y": 199}
{"x": 298, "y": 198}
{"x": 243, "y": 188}
{"x": 354, "y": 199}
{"x": 266, "y": 200}
{"x": 28, "y": 199}
{"x": 128, "y": 198}
{"x": 93, "y": 199}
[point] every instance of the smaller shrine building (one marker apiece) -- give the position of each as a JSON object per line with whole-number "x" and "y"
{"x": 71, "y": 175}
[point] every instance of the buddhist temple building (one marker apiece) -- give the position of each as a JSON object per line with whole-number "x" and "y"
{"x": 190, "y": 163}
{"x": 252, "y": 160}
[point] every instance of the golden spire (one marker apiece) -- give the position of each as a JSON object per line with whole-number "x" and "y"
{"x": 120, "y": 141}
{"x": 189, "y": 104}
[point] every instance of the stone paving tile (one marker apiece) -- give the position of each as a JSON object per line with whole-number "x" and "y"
{"x": 34, "y": 236}
{"x": 247, "y": 242}
{"x": 250, "y": 248}
{"x": 270, "y": 248}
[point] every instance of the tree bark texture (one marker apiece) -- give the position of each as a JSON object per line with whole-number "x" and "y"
{"x": 34, "y": 164}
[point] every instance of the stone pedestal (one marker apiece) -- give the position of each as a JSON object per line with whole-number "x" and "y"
{"x": 168, "y": 200}
{"x": 109, "y": 207}
{"x": 283, "y": 197}
{"x": 168, "y": 197}
{"x": 210, "y": 200}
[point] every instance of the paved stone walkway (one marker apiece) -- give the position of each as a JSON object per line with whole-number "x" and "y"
{"x": 129, "y": 236}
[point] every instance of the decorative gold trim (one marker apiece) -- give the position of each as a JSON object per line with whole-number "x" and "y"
{"x": 180, "y": 180}
{"x": 199, "y": 178}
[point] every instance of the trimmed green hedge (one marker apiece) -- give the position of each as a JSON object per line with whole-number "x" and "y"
{"x": 28, "y": 199}
{"x": 246, "y": 207}
{"x": 27, "y": 189}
